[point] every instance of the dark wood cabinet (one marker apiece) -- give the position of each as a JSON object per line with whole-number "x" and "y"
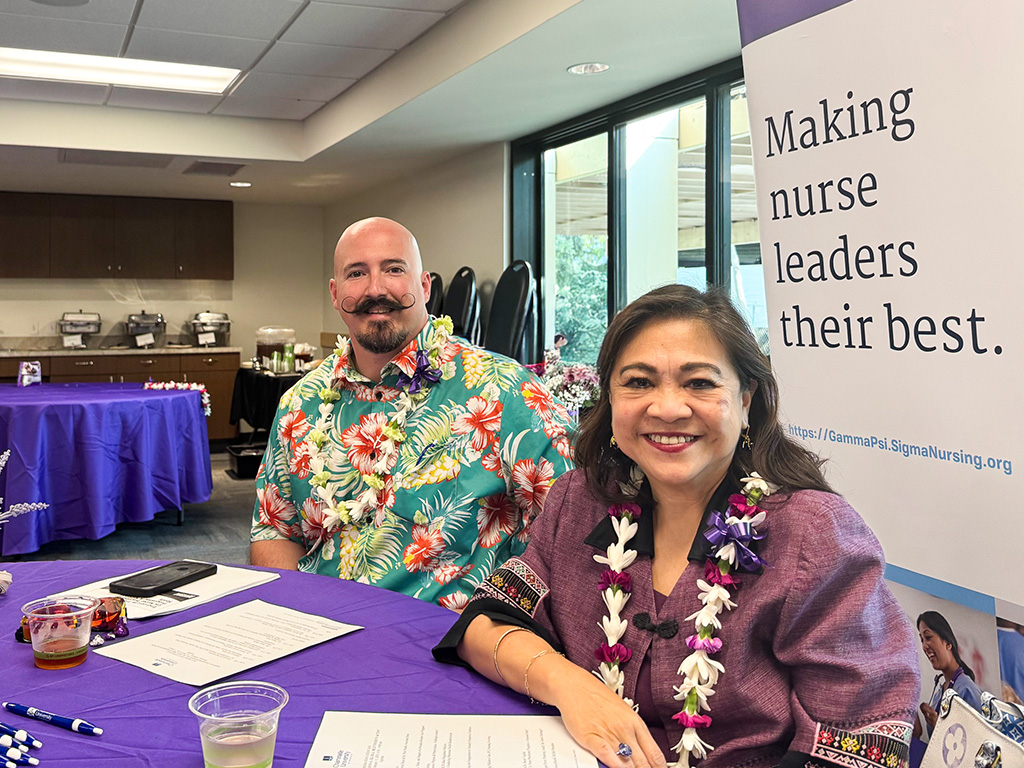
{"x": 144, "y": 238}
{"x": 91, "y": 236}
{"x": 24, "y": 235}
{"x": 217, "y": 372}
{"x": 82, "y": 236}
{"x": 204, "y": 231}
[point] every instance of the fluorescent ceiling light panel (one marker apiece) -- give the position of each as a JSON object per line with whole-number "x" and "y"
{"x": 108, "y": 70}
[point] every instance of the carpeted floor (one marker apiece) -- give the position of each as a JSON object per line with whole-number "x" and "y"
{"x": 217, "y": 530}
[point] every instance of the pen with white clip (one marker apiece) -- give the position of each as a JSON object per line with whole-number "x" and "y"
{"x": 10, "y": 741}
{"x": 18, "y": 757}
{"x": 75, "y": 724}
{"x": 19, "y": 734}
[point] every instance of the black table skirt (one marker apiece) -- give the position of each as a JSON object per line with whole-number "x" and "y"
{"x": 256, "y": 396}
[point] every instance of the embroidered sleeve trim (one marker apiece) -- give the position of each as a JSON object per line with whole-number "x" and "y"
{"x": 883, "y": 744}
{"x": 516, "y": 585}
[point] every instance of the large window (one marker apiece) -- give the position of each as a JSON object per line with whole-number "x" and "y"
{"x": 653, "y": 190}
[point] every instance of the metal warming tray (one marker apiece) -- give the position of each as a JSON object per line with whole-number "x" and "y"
{"x": 79, "y": 322}
{"x": 145, "y": 322}
{"x": 216, "y": 323}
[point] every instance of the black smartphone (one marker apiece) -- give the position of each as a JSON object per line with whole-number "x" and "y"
{"x": 162, "y": 579}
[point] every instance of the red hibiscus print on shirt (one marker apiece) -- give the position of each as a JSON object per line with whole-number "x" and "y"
{"x": 275, "y": 511}
{"x": 314, "y": 520}
{"x": 538, "y": 398}
{"x": 406, "y": 361}
{"x": 427, "y": 546}
{"x": 445, "y": 573}
{"x": 532, "y": 482}
{"x": 292, "y": 427}
{"x": 498, "y": 515}
{"x": 482, "y": 419}
{"x": 298, "y": 460}
{"x": 362, "y": 442}
{"x": 492, "y": 463}
{"x": 456, "y": 601}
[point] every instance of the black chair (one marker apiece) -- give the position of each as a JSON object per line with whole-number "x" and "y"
{"x": 436, "y": 294}
{"x": 462, "y": 305}
{"x": 513, "y": 311}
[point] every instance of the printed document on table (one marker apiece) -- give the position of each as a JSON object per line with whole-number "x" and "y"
{"x": 226, "y": 581}
{"x": 374, "y": 739}
{"x": 203, "y": 650}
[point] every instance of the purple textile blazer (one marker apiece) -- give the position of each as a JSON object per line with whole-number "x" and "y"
{"x": 819, "y": 657}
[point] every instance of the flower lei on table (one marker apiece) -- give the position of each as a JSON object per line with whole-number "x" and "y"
{"x": 376, "y": 492}
{"x": 207, "y": 410}
{"x": 731, "y": 537}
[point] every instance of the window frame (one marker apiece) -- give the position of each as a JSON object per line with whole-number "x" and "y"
{"x": 526, "y": 194}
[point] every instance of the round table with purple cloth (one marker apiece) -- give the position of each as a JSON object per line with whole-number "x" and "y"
{"x": 386, "y": 667}
{"x": 98, "y": 455}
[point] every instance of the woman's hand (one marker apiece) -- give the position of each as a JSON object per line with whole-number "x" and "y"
{"x": 599, "y": 720}
{"x": 929, "y": 714}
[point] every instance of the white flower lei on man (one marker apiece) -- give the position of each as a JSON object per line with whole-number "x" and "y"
{"x": 356, "y": 508}
{"x": 729, "y": 536}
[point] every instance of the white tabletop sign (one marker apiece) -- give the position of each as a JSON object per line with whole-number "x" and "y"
{"x": 144, "y": 339}
{"x": 73, "y": 340}
{"x": 206, "y": 339}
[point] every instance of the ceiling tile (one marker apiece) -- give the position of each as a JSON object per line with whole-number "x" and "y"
{"x": 281, "y": 109}
{"x": 328, "y": 24}
{"x": 442, "y": 6}
{"x": 259, "y": 84}
{"x": 44, "y": 34}
{"x": 321, "y": 60}
{"x": 254, "y": 19}
{"x": 144, "y": 98}
{"x": 43, "y": 90}
{"x": 190, "y": 48}
{"x": 105, "y": 11}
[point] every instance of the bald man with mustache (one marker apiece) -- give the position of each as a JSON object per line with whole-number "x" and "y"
{"x": 409, "y": 458}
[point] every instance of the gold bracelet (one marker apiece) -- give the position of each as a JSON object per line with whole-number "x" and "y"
{"x": 505, "y": 634}
{"x": 526, "y": 672}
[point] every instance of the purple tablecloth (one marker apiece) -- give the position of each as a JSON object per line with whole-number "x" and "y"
{"x": 386, "y": 667}
{"x": 99, "y": 455}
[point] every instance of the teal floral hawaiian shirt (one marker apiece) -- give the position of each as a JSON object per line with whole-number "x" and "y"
{"x": 421, "y": 483}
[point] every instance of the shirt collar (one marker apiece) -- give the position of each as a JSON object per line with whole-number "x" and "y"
{"x": 603, "y": 533}
{"x": 346, "y": 372}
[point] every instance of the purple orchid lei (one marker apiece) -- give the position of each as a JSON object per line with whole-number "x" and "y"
{"x": 731, "y": 537}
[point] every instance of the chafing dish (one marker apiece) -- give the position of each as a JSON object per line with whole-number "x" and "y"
{"x": 205, "y": 323}
{"x": 143, "y": 323}
{"x": 75, "y": 323}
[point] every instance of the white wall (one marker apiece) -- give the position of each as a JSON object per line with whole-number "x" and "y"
{"x": 278, "y": 262}
{"x": 456, "y": 210}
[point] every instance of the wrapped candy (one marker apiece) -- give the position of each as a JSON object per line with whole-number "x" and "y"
{"x": 5, "y": 581}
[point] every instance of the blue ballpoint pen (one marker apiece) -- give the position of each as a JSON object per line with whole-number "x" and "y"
{"x": 10, "y": 741}
{"x": 20, "y": 734}
{"x": 71, "y": 723}
{"x": 18, "y": 757}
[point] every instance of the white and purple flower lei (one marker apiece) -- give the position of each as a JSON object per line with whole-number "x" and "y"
{"x": 731, "y": 537}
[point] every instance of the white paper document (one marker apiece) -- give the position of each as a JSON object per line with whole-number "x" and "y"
{"x": 226, "y": 643}
{"x": 226, "y": 581}
{"x": 384, "y": 740}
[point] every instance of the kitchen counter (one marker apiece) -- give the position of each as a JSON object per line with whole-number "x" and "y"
{"x": 165, "y": 350}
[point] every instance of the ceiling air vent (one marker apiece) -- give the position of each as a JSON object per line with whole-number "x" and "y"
{"x": 119, "y": 159}
{"x": 201, "y": 168}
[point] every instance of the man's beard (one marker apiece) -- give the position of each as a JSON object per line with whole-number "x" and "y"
{"x": 381, "y": 336}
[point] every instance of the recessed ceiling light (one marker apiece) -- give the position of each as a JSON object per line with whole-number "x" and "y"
{"x": 240, "y": 183}
{"x": 590, "y": 68}
{"x": 110, "y": 70}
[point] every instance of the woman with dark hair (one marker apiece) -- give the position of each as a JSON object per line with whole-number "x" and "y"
{"x": 626, "y": 612}
{"x": 943, "y": 651}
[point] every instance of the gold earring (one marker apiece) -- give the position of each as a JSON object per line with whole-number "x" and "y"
{"x": 613, "y": 443}
{"x": 746, "y": 442}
